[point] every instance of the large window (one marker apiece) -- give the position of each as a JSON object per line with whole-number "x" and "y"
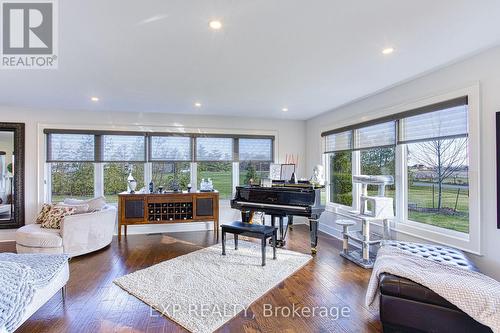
{"x": 70, "y": 158}
{"x": 123, "y": 148}
{"x": 87, "y": 163}
{"x": 214, "y": 149}
{"x": 431, "y": 146}
{"x": 215, "y": 156}
{"x": 438, "y": 183}
{"x": 252, "y": 172}
{"x": 71, "y": 180}
{"x": 377, "y": 153}
{"x": 255, "y": 149}
{"x": 379, "y": 161}
{"x": 171, "y": 174}
{"x": 115, "y": 178}
{"x": 438, "y": 168}
{"x": 255, "y": 157}
{"x": 221, "y": 175}
{"x": 170, "y": 148}
{"x": 122, "y": 154}
{"x": 70, "y": 147}
{"x": 171, "y": 157}
{"x": 341, "y": 178}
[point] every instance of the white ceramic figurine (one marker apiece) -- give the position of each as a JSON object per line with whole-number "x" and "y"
{"x": 318, "y": 177}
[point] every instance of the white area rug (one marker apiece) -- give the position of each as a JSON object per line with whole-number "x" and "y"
{"x": 203, "y": 290}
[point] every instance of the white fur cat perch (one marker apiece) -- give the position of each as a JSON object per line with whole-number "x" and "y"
{"x": 372, "y": 208}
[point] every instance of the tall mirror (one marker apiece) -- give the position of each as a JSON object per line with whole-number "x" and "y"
{"x": 11, "y": 175}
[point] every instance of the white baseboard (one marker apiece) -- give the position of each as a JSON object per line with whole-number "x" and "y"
{"x": 180, "y": 227}
{"x": 177, "y": 227}
{"x": 8, "y": 235}
{"x": 330, "y": 231}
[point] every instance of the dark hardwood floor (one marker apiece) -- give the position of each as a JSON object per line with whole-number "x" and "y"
{"x": 95, "y": 304}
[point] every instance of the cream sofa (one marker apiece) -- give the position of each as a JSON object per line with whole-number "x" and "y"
{"x": 79, "y": 234}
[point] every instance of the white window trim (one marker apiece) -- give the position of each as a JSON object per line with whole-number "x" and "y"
{"x": 468, "y": 242}
{"x": 148, "y": 174}
{"x": 194, "y": 176}
{"x": 356, "y": 170}
{"x": 98, "y": 179}
{"x": 236, "y": 177}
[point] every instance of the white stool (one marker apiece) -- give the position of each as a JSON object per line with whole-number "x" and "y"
{"x": 345, "y": 233}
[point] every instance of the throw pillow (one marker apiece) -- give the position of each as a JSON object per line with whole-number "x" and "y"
{"x": 79, "y": 209}
{"x": 43, "y": 213}
{"x": 55, "y": 217}
{"x": 95, "y": 204}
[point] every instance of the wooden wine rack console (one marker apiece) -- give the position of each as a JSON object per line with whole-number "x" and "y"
{"x": 140, "y": 209}
{"x": 171, "y": 211}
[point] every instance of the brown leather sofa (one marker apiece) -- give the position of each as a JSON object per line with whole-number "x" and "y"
{"x": 406, "y": 306}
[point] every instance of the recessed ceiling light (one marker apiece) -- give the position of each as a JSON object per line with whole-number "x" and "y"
{"x": 94, "y": 99}
{"x": 215, "y": 24}
{"x": 197, "y": 104}
{"x": 388, "y": 50}
{"x": 284, "y": 109}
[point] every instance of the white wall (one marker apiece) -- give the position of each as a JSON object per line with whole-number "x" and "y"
{"x": 483, "y": 69}
{"x": 290, "y": 138}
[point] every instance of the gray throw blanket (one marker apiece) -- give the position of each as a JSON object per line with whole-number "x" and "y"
{"x": 474, "y": 293}
{"x": 20, "y": 276}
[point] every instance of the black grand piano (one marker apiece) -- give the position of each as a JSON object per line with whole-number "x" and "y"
{"x": 282, "y": 201}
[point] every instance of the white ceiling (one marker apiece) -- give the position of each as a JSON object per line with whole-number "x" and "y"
{"x": 308, "y": 56}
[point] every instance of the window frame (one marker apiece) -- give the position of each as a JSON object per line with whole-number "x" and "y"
{"x": 401, "y": 224}
{"x": 148, "y": 133}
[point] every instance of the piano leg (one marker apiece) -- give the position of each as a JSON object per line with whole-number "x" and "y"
{"x": 280, "y": 242}
{"x": 313, "y": 229}
{"x": 281, "y": 231}
{"x": 290, "y": 222}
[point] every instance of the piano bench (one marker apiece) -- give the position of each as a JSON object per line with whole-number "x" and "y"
{"x": 263, "y": 232}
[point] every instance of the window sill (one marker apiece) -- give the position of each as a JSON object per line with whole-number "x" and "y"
{"x": 333, "y": 208}
{"x": 421, "y": 231}
{"x": 441, "y": 236}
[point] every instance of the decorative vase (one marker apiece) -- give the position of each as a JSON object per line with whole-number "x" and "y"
{"x": 132, "y": 183}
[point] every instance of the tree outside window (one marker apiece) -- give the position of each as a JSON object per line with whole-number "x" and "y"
{"x": 438, "y": 183}
{"x": 341, "y": 178}
{"x": 72, "y": 180}
{"x": 252, "y": 172}
{"x": 167, "y": 174}
{"x": 115, "y": 178}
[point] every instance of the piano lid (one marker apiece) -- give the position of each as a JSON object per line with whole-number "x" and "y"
{"x": 283, "y": 195}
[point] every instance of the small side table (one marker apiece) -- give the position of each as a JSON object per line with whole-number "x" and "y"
{"x": 262, "y": 232}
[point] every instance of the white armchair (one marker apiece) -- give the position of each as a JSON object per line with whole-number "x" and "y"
{"x": 79, "y": 234}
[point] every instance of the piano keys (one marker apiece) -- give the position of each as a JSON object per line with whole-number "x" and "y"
{"x": 282, "y": 201}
